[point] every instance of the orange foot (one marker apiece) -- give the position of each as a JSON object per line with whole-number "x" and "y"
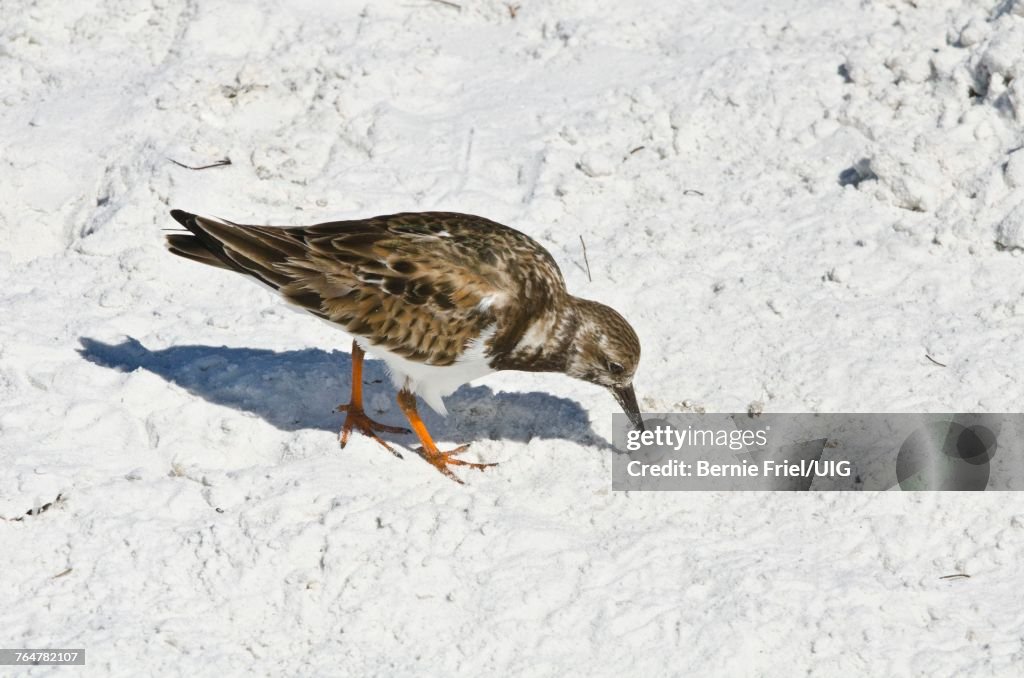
{"x": 442, "y": 460}
{"x": 356, "y": 419}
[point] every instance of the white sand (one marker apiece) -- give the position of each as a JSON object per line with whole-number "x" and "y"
{"x": 210, "y": 525}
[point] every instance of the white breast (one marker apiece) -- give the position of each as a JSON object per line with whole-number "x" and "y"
{"x": 430, "y": 382}
{"x": 434, "y": 382}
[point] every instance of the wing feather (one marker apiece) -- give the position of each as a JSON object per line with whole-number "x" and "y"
{"x": 423, "y": 285}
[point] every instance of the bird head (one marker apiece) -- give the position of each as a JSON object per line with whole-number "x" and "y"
{"x": 605, "y": 351}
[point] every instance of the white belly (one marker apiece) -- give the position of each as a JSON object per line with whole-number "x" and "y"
{"x": 433, "y": 382}
{"x": 430, "y": 382}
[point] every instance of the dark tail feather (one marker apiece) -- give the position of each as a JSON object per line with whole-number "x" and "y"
{"x": 198, "y": 246}
{"x": 190, "y": 247}
{"x": 243, "y": 249}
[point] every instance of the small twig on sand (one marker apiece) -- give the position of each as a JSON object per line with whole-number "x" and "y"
{"x": 449, "y": 3}
{"x": 933, "y": 360}
{"x": 585, "y": 260}
{"x": 637, "y": 149}
{"x": 35, "y": 511}
{"x": 219, "y": 163}
{"x": 959, "y": 575}
{"x": 513, "y": 10}
{"x": 692, "y": 191}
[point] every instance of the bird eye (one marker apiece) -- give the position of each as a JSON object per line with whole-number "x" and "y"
{"x": 615, "y": 368}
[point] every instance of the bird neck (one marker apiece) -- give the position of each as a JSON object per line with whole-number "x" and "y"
{"x": 546, "y": 342}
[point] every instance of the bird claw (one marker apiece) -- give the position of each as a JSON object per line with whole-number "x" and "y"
{"x": 356, "y": 418}
{"x": 442, "y": 460}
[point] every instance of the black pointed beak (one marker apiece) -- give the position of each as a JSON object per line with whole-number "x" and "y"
{"x": 627, "y": 398}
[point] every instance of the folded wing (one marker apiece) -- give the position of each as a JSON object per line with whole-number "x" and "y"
{"x": 406, "y": 282}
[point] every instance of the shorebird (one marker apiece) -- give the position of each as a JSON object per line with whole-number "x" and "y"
{"x": 442, "y": 298}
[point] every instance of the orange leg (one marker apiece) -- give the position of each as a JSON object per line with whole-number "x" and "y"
{"x": 440, "y": 460}
{"x": 356, "y": 418}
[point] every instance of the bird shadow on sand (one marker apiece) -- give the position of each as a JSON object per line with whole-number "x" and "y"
{"x": 300, "y": 389}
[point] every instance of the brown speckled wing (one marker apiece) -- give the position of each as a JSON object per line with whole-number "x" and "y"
{"x": 422, "y": 285}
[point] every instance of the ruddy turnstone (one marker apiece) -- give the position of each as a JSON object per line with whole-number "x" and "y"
{"x": 441, "y": 298}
